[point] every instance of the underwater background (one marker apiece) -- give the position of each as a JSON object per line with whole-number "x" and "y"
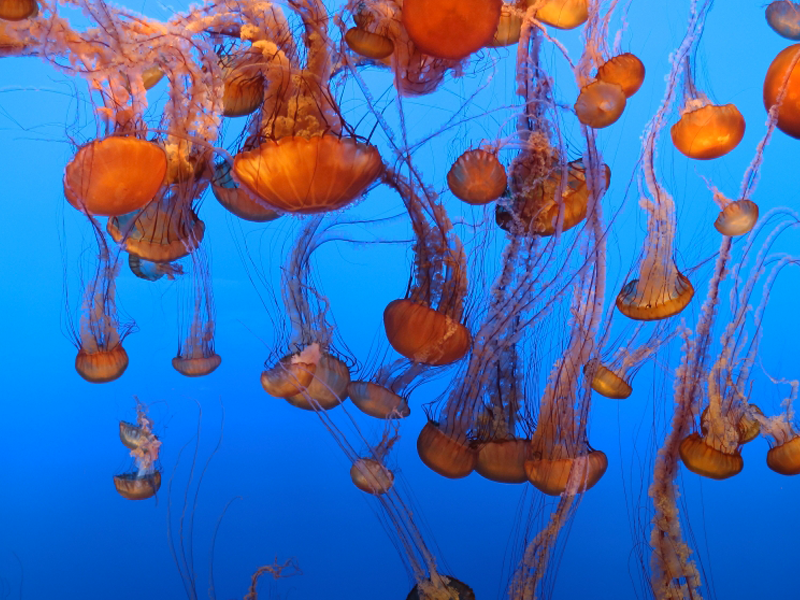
{"x": 248, "y": 479}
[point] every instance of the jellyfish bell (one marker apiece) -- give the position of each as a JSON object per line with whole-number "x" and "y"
{"x": 503, "y": 460}
{"x": 196, "y": 366}
{"x": 133, "y": 486}
{"x": 164, "y": 231}
{"x": 748, "y": 425}
{"x": 509, "y": 28}
{"x": 425, "y": 335}
{"x": 370, "y": 476}
{"x": 657, "y": 297}
{"x": 444, "y": 587}
{"x": 114, "y": 176}
{"x": 236, "y": 200}
{"x": 737, "y": 218}
{"x": 102, "y": 365}
{"x": 600, "y": 104}
{"x": 132, "y": 436}
{"x": 709, "y": 131}
{"x": 554, "y": 476}
{"x": 17, "y": 10}
{"x": 626, "y": 70}
{"x": 784, "y": 18}
{"x": 534, "y": 208}
{"x": 328, "y": 386}
{"x": 607, "y": 383}
{"x": 778, "y": 73}
{"x": 292, "y": 373}
{"x": 451, "y": 29}
{"x": 152, "y": 271}
{"x": 785, "y": 458}
{"x": 477, "y": 177}
{"x": 562, "y": 14}
{"x": 308, "y": 175}
{"x": 377, "y": 400}
{"x": 446, "y": 454}
{"x": 369, "y": 44}
{"x": 243, "y": 85}
{"x": 703, "y": 459}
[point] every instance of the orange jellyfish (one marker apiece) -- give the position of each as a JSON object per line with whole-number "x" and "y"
{"x": 365, "y": 40}
{"x": 243, "y": 82}
{"x": 563, "y": 14}
{"x": 101, "y": 357}
{"x": 311, "y": 376}
{"x": 196, "y": 356}
{"x": 451, "y": 29}
{"x": 781, "y": 84}
{"x": 477, "y": 177}
{"x": 305, "y": 160}
{"x": 425, "y": 326}
{"x": 508, "y": 27}
{"x": 536, "y": 208}
{"x": 17, "y": 10}
{"x": 167, "y": 229}
{"x": 416, "y": 72}
{"x": 705, "y": 130}
{"x": 115, "y": 175}
{"x": 144, "y": 445}
{"x": 236, "y": 200}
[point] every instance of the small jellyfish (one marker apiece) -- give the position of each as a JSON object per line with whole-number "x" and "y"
{"x": 608, "y": 383}
{"x": 784, "y": 17}
{"x": 145, "y": 446}
{"x": 451, "y": 29}
{"x": 369, "y": 473}
{"x": 101, "y": 357}
{"x": 114, "y": 176}
{"x": 377, "y": 400}
{"x": 196, "y": 355}
{"x": 626, "y": 70}
{"x": 737, "y": 217}
{"x": 535, "y": 208}
{"x": 153, "y": 271}
{"x": 166, "y": 229}
{"x": 242, "y": 81}
{"x": 508, "y": 28}
{"x": 477, "y": 177}
{"x": 369, "y": 44}
{"x": 562, "y": 14}
{"x": 600, "y": 104}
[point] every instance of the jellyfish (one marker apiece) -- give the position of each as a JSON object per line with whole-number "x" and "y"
{"x": 166, "y": 230}
{"x": 311, "y": 376}
{"x": 196, "y": 356}
{"x": 477, "y": 177}
{"x": 236, "y": 200}
{"x": 508, "y": 27}
{"x": 562, "y": 14}
{"x": 416, "y": 73}
{"x": 425, "y": 326}
{"x": 17, "y": 10}
{"x": 451, "y": 29}
{"x": 144, "y": 482}
{"x": 115, "y": 175}
{"x": 784, "y": 17}
{"x": 705, "y": 130}
{"x": 153, "y": 271}
{"x": 101, "y": 357}
{"x": 780, "y": 85}
{"x": 304, "y": 159}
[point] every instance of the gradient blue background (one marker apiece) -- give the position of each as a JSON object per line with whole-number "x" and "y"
{"x": 76, "y": 538}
